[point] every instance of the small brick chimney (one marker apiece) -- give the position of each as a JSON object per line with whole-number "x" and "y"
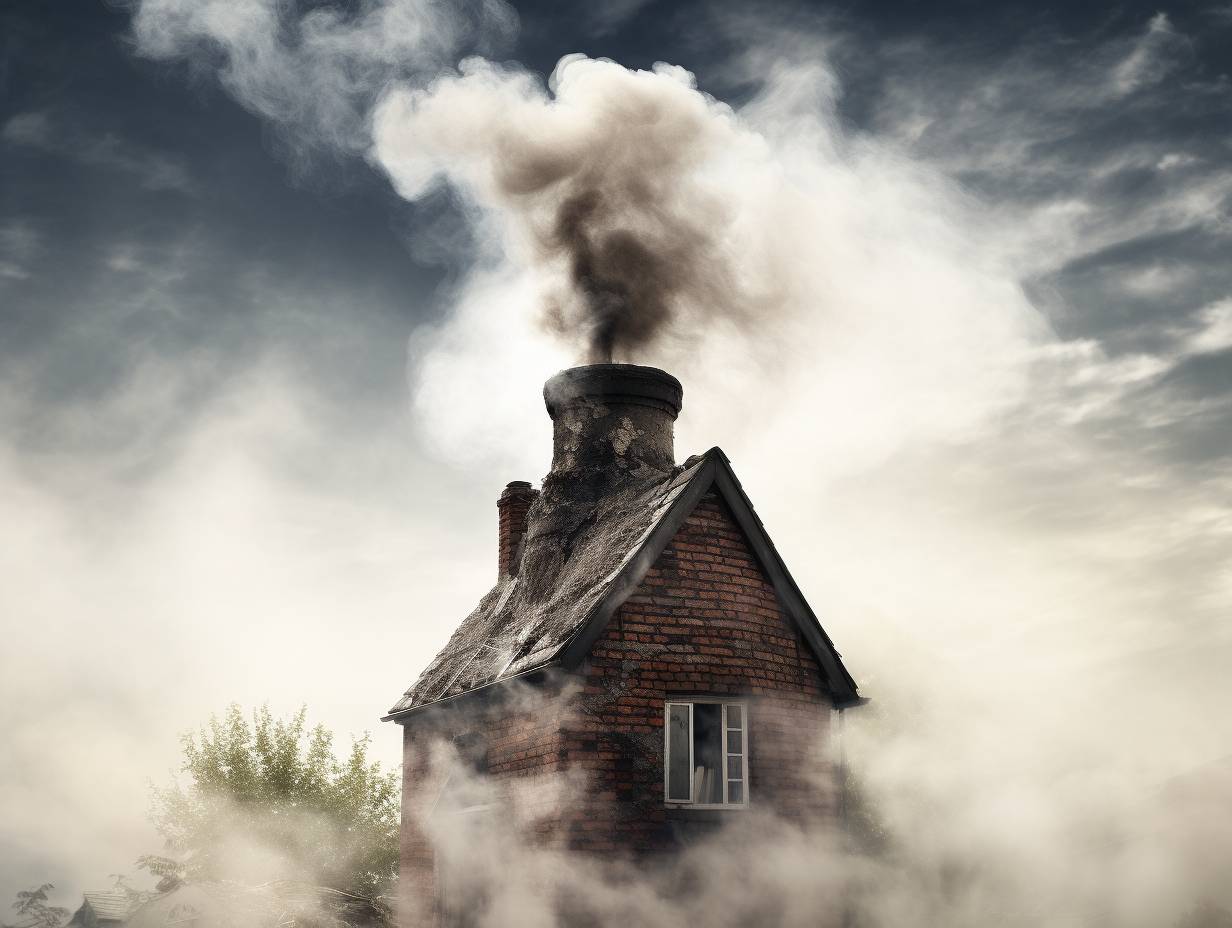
{"x": 512, "y": 507}
{"x": 612, "y": 418}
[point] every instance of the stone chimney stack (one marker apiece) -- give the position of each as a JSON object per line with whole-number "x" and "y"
{"x": 611, "y": 419}
{"x": 512, "y": 507}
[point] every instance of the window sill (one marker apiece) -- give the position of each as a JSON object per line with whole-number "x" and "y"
{"x": 694, "y": 807}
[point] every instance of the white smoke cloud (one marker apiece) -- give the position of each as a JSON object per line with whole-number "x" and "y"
{"x": 253, "y": 561}
{"x": 838, "y": 255}
{"x": 614, "y": 187}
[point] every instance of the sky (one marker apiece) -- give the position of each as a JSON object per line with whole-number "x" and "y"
{"x": 273, "y": 341}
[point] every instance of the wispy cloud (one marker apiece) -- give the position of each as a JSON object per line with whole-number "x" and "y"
{"x": 32, "y": 129}
{"x": 1149, "y": 58}
{"x": 152, "y": 169}
{"x": 315, "y": 73}
{"x": 1215, "y": 331}
{"x": 609, "y": 15}
{"x": 20, "y": 243}
{"x": 1104, "y": 186}
{"x": 1221, "y": 13}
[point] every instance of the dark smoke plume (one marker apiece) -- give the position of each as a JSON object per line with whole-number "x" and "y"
{"x": 612, "y": 181}
{"x": 628, "y": 290}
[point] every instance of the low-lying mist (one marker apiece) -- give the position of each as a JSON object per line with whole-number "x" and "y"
{"x": 1008, "y": 854}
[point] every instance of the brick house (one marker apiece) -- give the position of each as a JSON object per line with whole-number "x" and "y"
{"x": 669, "y": 656}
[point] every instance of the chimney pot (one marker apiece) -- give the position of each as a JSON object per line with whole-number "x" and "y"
{"x": 612, "y": 418}
{"x": 512, "y": 509}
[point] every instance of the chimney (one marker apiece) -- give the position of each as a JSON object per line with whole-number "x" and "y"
{"x": 612, "y": 418}
{"x": 512, "y": 507}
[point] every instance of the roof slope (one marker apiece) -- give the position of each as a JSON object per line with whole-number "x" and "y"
{"x": 585, "y": 551}
{"x": 109, "y": 905}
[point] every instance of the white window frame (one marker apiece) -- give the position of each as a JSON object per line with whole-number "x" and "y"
{"x": 691, "y": 701}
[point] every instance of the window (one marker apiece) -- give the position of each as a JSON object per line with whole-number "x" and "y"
{"x": 706, "y": 753}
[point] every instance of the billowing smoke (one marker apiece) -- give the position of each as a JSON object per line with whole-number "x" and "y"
{"x": 615, "y": 183}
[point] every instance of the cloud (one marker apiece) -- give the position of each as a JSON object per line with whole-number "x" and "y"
{"x": 1115, "y": 230}
{"x": 155, "y": 171}
{"x": 1150, "y": 58}
{"x": 1173, "y": 160}
{"x": 152, "y": 169}
{"x": 316, "y": 73}
{"x": 20, "y": 243}
{"x": 32, "y": 129}
{"x": 213, "y": 571}
{"x": 124, "y": 259}
{"x": 819, "y": 243}
{"x": 1215, "y": 333}
{"x": 615, "y": 185}
{"x": 1046, "y": 126}
{"x": 609, "y": 15}
{"x": 1156, "y": 279}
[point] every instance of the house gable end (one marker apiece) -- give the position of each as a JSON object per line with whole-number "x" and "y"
{"x": 708, "y": 608}
{"x": 842, "y": 686}
{"x": 716, "y": 475}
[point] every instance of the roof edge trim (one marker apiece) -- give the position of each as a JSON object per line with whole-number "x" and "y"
{"x": 843, "y": 687}
{"x": 402, "y": 714}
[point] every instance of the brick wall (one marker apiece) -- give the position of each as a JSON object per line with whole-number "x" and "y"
{"x": 705, "y": 621}
{"x": 518, "y": 742}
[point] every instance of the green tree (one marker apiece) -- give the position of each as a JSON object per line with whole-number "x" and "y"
{"x": 267, "y": 799}
{"x": 34, "y": 912}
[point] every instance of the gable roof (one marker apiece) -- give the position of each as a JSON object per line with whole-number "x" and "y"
{"x": 579, "y": 562}
{"x": 107, "y": 905}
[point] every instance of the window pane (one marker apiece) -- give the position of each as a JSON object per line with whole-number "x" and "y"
{"x": 733, "y": 742}
{"x": 734, "y": 716}
{"x": 707, "y": 752}
{"x": 733, "y": 767}
{"x": 735, "y": 791}
{"x": 678, "y": 773}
